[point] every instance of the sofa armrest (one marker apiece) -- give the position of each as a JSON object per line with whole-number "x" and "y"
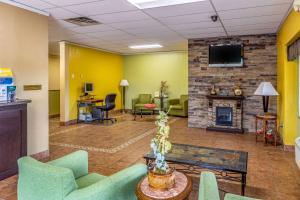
{"x": 133, "y": 102}
{"x": 185, "y": 106}
{"x": 173, "y": 102}
{"x": 76, "y": 161}
{"x": 208, "y": 188}
{"x": 229, "y": 196}
{"x": 119, "y": 186}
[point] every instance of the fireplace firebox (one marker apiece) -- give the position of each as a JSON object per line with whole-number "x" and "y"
{"x": 224, "y": 116}
{"x": 225, "y": 113}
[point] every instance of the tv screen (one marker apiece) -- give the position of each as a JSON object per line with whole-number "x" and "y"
{"x": 88, "y": 87}
{"x": 226, "y": 56}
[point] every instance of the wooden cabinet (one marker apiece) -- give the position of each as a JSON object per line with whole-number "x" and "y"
{"x": 13, "y": 136}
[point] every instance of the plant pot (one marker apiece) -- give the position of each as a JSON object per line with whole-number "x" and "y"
{"x": 161, "y": 181}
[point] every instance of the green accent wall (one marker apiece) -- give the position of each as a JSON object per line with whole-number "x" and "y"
{"x": 145, "y": 72}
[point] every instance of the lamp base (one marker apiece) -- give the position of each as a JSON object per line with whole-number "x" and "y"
{"x": 266, "y": 103}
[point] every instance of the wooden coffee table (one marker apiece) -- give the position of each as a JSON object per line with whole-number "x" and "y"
{"x": 181, "y": 190}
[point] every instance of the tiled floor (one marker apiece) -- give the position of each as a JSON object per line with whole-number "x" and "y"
{"x": 272, "y": 173}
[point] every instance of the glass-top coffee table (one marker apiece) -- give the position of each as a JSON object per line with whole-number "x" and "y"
{"x": 226, "y": 164}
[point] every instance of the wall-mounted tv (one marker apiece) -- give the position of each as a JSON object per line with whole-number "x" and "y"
{"x": 226, "y": 55}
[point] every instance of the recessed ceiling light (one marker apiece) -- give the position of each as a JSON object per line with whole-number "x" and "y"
{"x": 143, "y": 4}
{"x": 146, "y": 46}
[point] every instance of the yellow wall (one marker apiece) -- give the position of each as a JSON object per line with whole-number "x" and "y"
{"x": 24, "y": 48}
{"x": 54, "y": 93}
{"x": 145, "y": 72}
{"x": 287, "y": 81}
{"x": 103, "y": 69}
{"x": 53, "y": 72}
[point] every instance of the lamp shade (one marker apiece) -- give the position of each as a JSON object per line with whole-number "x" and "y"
{"x": 265, "y": 89}
{"x": 124, "y": 83}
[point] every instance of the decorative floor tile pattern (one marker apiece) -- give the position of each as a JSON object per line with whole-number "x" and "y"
{"x": 272, "y": 173}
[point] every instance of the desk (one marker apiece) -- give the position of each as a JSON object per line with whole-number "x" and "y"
{"x": 86, "y": 103}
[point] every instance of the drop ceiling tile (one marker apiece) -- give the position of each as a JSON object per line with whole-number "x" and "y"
{"x": 121, "y": 17}
{"x": 253, "y": 20}
{"x": 136, "y": 24}
{"x": 201, "y": 30}
{"x": 182, "y": 9}
{"x": 67, "y": 2}
{"x": 237, "y": 4}
{"x": 60, "y": 13}
{"x": 195, "y": 25}
{"x": 253, "y": 31}
{"x": 60, "y": 23}
{"x": 101, "y": 7}
{"x": 105, "y": 33}
{"x": 200, "y": 17}
{"x": 38, "y": 4}
{"x": 90, "y": 29}
{"x": 205, "y": 35}
{"x": 257, "y": 11}
{"x": 253, "y": 26}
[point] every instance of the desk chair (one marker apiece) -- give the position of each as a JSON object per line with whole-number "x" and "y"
{"x": 109, "y": 105}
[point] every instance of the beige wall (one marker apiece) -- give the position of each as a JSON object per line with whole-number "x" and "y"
{"x": 53, "y": 72}
{"x": 24, "y": 48}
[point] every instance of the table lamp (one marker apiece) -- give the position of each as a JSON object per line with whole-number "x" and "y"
{"x": 124, "y": 83}
{"x": 265, "y": 89}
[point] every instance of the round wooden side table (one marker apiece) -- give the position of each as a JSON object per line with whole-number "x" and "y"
{"x": 181, "y": 191}
{"x": 266, "y": 119}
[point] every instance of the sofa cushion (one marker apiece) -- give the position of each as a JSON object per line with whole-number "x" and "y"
{"x": 139, "y": 105}
{"x": 177, "y": 107}
{"x": 144, "y": 98}
{"x": 88, "y": 180}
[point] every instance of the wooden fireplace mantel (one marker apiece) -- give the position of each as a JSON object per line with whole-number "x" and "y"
{"x": 225, "y": 97}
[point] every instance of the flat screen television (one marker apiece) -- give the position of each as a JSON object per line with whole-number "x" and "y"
{"x": 88, "y": 88}
{"x": 224, "y": 55}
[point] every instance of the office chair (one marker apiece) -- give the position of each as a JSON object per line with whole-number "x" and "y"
{"x": 109, "y": 105}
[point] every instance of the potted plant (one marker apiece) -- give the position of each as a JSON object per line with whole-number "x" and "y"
{"x": 160, "y": 175}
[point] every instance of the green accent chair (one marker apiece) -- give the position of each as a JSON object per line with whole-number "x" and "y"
{"x": 179, "y": 106}
{"x": 139, "y": 102}
{"x": 67, "y": 178}
{"x": 208, "y": 189}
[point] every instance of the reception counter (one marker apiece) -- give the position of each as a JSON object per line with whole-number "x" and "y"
{"x": 13, "y": 135}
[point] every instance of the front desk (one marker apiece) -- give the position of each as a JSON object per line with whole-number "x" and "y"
{"x": 13, "y": 135}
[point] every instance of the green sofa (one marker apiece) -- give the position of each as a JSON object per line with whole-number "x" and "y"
{"x": 67, "y": 178}
{"x": 139, "y": 102}
{"x": 179, "y": 107}
{"x": 208, "y": 189}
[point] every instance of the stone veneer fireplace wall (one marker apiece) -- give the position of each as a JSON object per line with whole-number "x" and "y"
{"x": 260, "y": 58}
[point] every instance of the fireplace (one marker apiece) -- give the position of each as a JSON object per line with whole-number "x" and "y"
{"x": 225, "y": 113}
{"x": 224, "y": 116}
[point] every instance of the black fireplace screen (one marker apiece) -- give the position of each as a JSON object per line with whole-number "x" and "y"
{"x": 224, "y": 116}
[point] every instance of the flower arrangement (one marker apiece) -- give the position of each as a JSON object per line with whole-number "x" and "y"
{"x": 160, "y": 144}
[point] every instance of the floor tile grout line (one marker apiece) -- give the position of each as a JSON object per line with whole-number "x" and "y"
{"x": 110, "y": 150}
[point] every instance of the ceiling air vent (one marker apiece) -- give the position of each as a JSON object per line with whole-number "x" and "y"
{"x": 82, "y": 21}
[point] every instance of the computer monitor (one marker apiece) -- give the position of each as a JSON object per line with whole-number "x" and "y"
{"x": 88, "y": 88}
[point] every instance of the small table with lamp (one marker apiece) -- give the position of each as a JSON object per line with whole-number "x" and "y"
{"x": 266, "y": 89}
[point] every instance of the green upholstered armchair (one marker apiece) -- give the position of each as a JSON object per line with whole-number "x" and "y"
{"x": 67, "y": 178}
{"x": 179, "y": 106}
{"x": 139, "y": 102}
{"x": 208, "y": 189}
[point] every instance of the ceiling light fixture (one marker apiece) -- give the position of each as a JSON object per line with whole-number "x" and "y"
{"x": 146, "y": 46}
{"x": 143, "y": 4}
